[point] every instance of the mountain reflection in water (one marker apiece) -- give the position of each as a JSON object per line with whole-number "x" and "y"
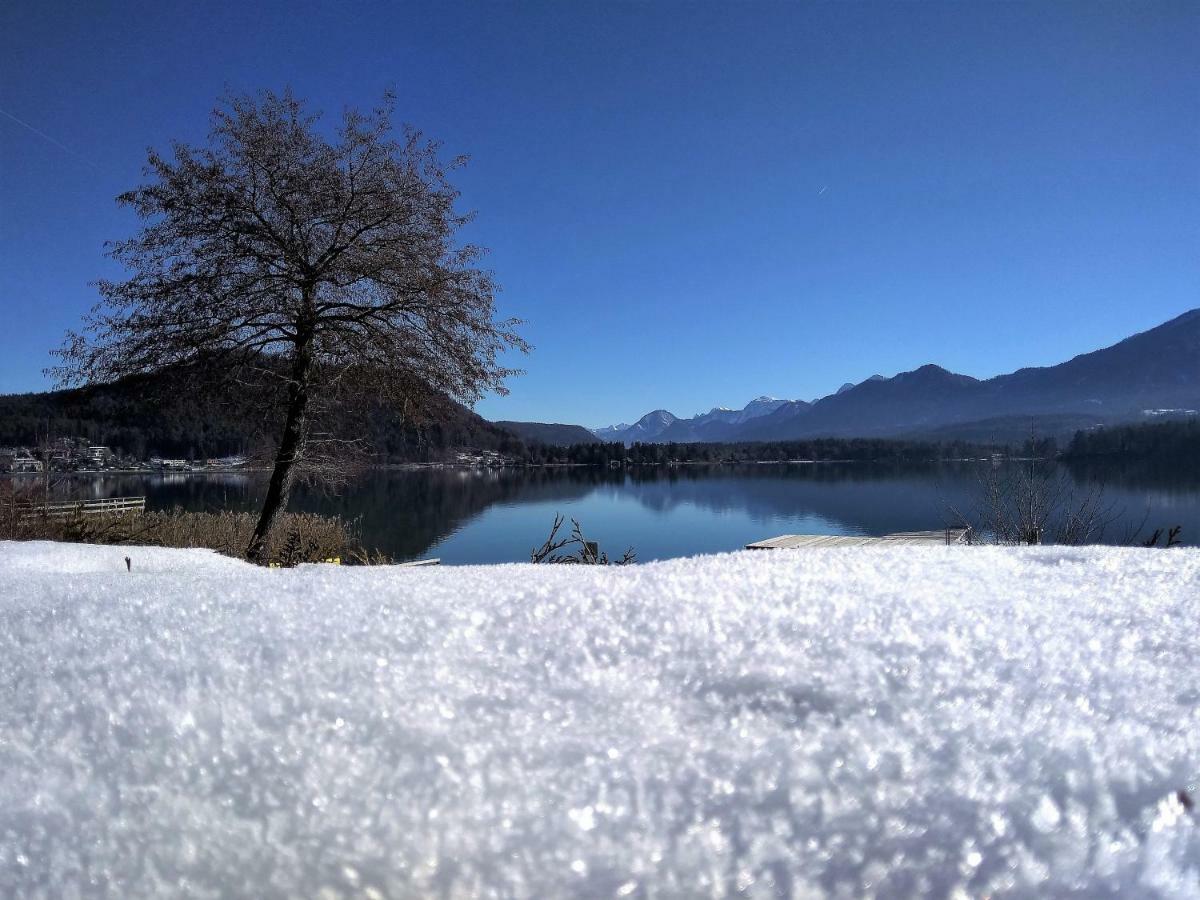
{"x": 498, "y": 515}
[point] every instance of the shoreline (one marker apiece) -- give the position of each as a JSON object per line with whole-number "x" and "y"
{"x": 418, "y": 466}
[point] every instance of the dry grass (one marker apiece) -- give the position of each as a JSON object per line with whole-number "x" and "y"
{"x": 299, "y": 537}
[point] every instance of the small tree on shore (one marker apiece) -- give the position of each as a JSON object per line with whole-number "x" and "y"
{"x": 312, "y": 269}
{"x": 1035, "y": 503}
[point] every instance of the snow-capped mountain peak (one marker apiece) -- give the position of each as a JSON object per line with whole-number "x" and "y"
{"x": 759, "y": 406}
{"x": 655, "y": 423}
{"x": 609, "y": 429}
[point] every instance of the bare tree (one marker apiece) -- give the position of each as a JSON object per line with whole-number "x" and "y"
{"x": 312, "y": 268}
{"x": 1035, "y": 503}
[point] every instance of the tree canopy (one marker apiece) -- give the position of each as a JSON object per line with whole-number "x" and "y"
{"x": 306, "y": 269}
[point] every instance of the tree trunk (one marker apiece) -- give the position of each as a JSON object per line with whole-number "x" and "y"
{"x": 291, "y": 447}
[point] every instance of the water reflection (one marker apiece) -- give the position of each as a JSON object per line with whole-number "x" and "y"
{"x": 498, "y": 515}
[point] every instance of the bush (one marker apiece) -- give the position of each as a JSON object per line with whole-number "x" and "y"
{"x": 299, "y": 537}
{"x": 587, "y": 553}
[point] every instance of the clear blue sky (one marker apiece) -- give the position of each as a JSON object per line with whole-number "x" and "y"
{"x": 690, "y": 204}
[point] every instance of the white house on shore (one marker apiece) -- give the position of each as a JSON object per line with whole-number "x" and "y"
{"x": 18, "y": 460}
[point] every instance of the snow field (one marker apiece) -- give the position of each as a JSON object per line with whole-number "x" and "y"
{"x": 932, "y": 722}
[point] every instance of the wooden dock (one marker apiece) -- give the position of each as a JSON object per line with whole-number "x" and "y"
{"x": 944, "y": 537}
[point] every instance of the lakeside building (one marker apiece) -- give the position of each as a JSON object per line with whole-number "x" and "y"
{"x": 60, "y": 455}
{"x": 99, "y": 456}
{"x": 171, "y": 465}
{"x": 67, "y": 455}
{"x": 18, "y": 460}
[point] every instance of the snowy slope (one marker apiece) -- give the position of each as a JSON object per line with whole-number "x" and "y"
{"x": 717, "y": 424}
{"x": 926, "y": 722}
{"x": 759, "y": 406}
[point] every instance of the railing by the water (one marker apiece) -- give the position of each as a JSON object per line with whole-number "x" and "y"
{"x": 75, "y": 508}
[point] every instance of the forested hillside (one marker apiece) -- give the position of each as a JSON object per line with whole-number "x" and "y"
{"x": 549, "y": 433}
{"x": 1176, "y": 441}
{"x": 142, "y": 421}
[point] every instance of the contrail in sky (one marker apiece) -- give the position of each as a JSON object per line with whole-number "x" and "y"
{"x": 47, "y": 137}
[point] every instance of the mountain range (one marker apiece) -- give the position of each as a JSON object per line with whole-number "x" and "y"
{"x": 718, "y": 424}
{"x": 1150, "y": 375}
{"x": 1154, "y": 373}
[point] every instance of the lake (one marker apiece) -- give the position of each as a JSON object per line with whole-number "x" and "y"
{"x": 498, "y": 515}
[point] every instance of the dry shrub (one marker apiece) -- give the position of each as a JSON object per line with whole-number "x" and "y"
{"x": 16, "y": 498}
{"x": 298, "y": 538}
{"x": 587, "y": 552}
{"x": 1036, "y": 503}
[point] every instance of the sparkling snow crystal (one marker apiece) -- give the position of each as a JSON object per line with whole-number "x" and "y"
{"x": 934, "y": 722}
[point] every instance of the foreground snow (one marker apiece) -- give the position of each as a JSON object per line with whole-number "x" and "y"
{"x": 900, "y": 722}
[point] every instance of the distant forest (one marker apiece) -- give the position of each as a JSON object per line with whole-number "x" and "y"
{"x": 143, "y": 425}
{"x": 1164, "y": 442}
{"x": 120, "y": 417}
{"x": 819, "y": 449}
{"x": 147, "y": 423}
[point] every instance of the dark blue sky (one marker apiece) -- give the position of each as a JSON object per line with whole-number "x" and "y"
{"x": 690, "y": 204}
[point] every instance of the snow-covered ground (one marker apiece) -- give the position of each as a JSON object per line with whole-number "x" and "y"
{"x": 894, "y": 722}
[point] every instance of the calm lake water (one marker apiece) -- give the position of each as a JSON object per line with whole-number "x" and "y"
{"x": 499, "y": 515}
